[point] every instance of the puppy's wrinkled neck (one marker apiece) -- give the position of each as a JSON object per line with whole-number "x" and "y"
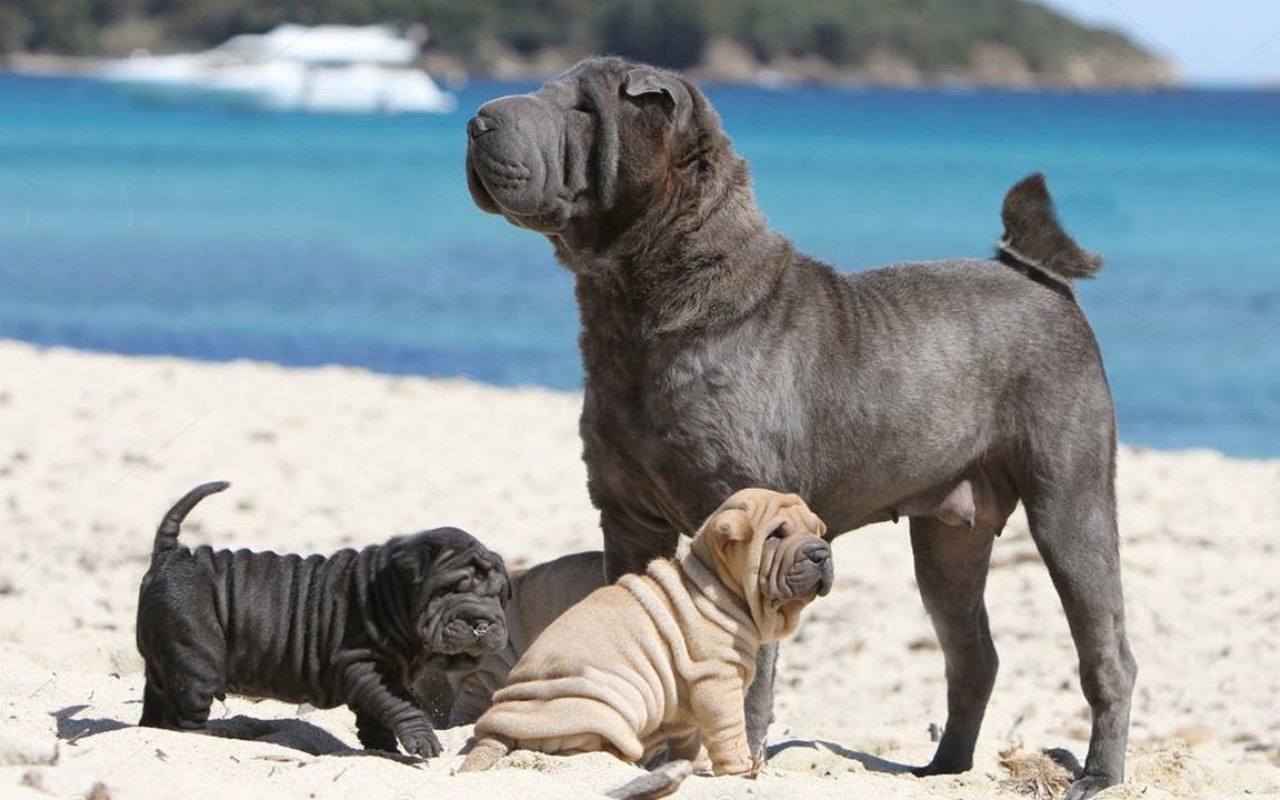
{"x": 381, "y": 611}
{"x": 721, "y": 588}
{"x": 694, "y": 591}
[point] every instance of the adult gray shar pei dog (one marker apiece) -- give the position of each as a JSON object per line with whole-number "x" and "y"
{"x": 717, "y": 357}
{"x": 356, "y": 627}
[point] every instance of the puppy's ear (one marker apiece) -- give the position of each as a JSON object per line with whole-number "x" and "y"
{"x": 817, "y": 523}
{"x": 647, "y": 81}
{"x": 410, "y": 559}
{"x": 731, "y": 525}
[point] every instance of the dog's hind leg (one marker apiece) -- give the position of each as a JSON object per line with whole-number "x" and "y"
{"x": 195, "y": 698}
{"x": 179, "y": 696}
{"x": 951, "y": 569}
{"x": 157, "y": 711}
{"x": 1071, "y": 509}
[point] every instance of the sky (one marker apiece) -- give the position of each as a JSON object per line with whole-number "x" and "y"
{"x": 1210, "y": 41}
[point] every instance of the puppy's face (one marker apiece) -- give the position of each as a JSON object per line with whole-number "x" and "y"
{"x": 456, "y": 593}
{"x": 769, "y": 546}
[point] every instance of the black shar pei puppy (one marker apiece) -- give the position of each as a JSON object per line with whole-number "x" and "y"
{"x": 717, "y": 357}
{"x": 355, "y": 627}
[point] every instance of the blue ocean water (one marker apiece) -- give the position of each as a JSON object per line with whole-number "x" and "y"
{"x": 327, "y": 239}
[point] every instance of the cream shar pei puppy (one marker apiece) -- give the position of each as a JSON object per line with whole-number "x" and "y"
{"x": 663, "y": 659}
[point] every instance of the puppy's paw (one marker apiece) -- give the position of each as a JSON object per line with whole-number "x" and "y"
{"x": 742, "y": 765}
{"x": 422, "y": 743}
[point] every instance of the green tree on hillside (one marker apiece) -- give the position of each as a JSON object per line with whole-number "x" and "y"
{"x": 935, "y": 34}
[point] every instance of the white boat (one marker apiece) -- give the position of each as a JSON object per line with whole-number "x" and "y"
{"x": 326, "y": 68}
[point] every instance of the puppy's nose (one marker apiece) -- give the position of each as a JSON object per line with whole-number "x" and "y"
{"x": 819, "y": 555}
{"x": 479, "y": 126}
{"x": 480, "y": 628}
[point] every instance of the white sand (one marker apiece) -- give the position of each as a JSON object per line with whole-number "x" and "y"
{"x": 93, "y": 448}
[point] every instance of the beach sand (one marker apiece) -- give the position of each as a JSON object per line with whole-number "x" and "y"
{"x": 93, "y": 448}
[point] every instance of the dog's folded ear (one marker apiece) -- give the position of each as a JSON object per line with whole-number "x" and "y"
{"x": 411, "y": 557}
{"x": 644, "y": 81}
{"x": 816, "y": 524}
{"x": 733, "y": 524}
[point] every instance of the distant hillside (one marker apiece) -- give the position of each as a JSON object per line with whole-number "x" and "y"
{"x": 881, "y": 41}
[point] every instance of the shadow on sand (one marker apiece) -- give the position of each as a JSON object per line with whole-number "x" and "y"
{"x": 72, "y": 729}
{"x": 296, "y": 734}
{"x": 869, "y": 762}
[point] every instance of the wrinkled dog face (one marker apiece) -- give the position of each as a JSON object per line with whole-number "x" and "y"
{"x": 591, "y": 142}
{"x": 771, "y": 545}
{"x": 795, "y": 562}
{"x": 458, "y": 593}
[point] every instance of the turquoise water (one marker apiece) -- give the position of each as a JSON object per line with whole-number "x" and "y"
{"x": 310, "y": 240}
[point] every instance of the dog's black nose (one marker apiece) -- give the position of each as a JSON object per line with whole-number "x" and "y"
{"x": 479, "y": 126}
{"x": 819, "y": 555}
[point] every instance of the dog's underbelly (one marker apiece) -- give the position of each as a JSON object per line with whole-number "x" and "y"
{"x": 276, "y": 691}
{"x": 851, "y": 477}
{"x": 981, "y": 496}
{"x": 674, "y": 482}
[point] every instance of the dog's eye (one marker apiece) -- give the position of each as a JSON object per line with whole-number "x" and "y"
{"x": 779, "y": 532}
{"x": 584, "y": 107}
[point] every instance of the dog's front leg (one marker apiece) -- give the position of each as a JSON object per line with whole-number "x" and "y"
{"x": 373, "y": 734}
{"x": 383, "y": 706}
{"x": 629, "y": 546}
{"x": 717, "y": 704}
{"x": 759, "y": 704}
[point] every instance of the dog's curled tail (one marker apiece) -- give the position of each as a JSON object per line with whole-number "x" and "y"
{"x": 1033, "y": 236}
{"x": 167, "y": 533}
{"x": 484, "y": 754}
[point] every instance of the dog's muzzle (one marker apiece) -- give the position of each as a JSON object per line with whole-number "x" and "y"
{"x": 801, "y": 570}
{"x": 473, "y": 629}
{"x": 817, "y": 566}
{"x": 507, "y": 145}
{"x": 516, "y": 161}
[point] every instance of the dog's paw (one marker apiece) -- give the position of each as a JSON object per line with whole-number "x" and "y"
{"x": 944, "y": 766}
{"x": 1087, "y": 786}
{"x": 422, "y": 743}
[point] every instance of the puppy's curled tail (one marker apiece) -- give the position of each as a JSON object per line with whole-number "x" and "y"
{"x": 1033, "y": 236}
{"x": 167, "y": 533}
{"x": 484, "y": 754}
